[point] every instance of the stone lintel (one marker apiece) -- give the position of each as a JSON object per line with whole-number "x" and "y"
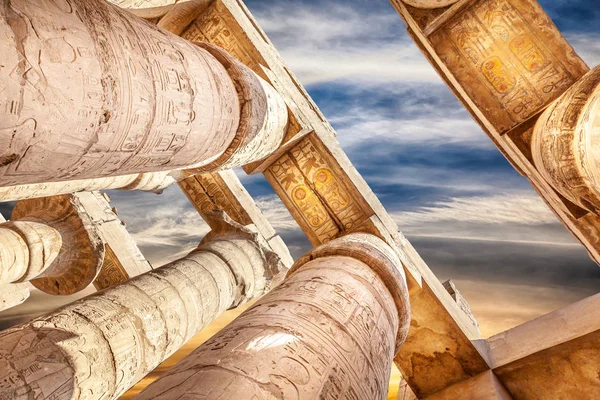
{"x": 123, "y": 259}
{"x": 483, "y": 386}
{"x": 151, "y": 182}
{"x": 562, "y": 346}
{"x": 223, "y": 191}
{"x": 329, "y": 199}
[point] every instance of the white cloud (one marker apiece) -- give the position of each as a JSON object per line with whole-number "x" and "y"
{"x": 587, "y": 46}
{"x": 498, "y": 209}
{"x": 336, "y": 42}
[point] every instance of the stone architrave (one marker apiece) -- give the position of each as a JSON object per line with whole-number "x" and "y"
{"x": 329, "y": 331}
{"x": 52, "y": 243}
{"x": 151, "y": 8}
{"x": 565, "y": 143}
{"x": 444, "y": 343}
{"x": 92, "y": 91}
{"x": 123, "y": 259}
{"x": 506, "y": 62}
{"x": 12, "y": 294}
{"x": 154, "y": 182}
{"x": 124, "y": 332}
{"x": 223, "y": 191}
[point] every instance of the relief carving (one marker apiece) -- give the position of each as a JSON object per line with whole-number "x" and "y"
{"x": 565, "y": 141}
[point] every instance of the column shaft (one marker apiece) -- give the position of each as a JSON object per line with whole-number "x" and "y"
{"x": 330, "y": 331}
{"x": 98, "y": 347}
{"x": 149, "y": 182}
{"x": 92, "y": 91}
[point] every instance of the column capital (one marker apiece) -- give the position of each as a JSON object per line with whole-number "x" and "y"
{"x": 382, "y": 259}
{"x": 82, "y": 251}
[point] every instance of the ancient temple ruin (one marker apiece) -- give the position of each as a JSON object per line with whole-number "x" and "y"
{"x": 145, "y": 94}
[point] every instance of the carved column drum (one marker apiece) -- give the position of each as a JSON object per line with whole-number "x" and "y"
{"x": 566, "y": 143}
{"x": 91, "y": 91}
{"x": 98, "y": 347}
{"x": 329, "y": 331}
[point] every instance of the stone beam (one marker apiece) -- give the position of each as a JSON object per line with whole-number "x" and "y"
{"x": 51, "y": 243}
{"x": 329, "y": 199}
{"x": 12, "y": 294}
{"x": 329, "y": 331}
{"x": 151, "y": 9}
{"x": 562, "y": 346}
{"x": 124, "y": 332}
{"x": 109, "y": 95}
{"x": 154, "y": 182}
{"x": 123, "y": 259}
{"x": 223, "y": 191}
{"x": 564, "y": 144}
{"x": 506, "y": 68}
{"x": 483, "y": 386}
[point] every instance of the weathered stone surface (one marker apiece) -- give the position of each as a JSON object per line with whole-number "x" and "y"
{"x": 150, "y": 182}
{"x": 181, "y": 15}
{"x": 405, "y": 392}
{"x": 123, "y": 259}
{"x": 329, "y": 331}
{"x": 98, "y": 347}
{"x": 460, "y": 301}
{"x": 81, "y": 253}
{"x": 429, "y": 3}
{"x": 562, "y": 347}
{"x": 123, "y": 97}
{"x": 150, "y": 8}
{"x": 483, "y": 386}
{"x": 13, "y": 294}
{"x": 223, "y": 191}
{"x": 506, "y": 61}
{"x": 27, "y": 249}
{"x": 565, "y": 143}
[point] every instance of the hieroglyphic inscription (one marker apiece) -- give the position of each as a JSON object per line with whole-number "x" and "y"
{"x": 217, "y": 26}
{"x": 98, "y": 92}
{"x": 208, "y": 192}
{"x": 328, "y": 332}
{"x": 124, "y": 332}
{"x": 509, "y": 58}
{"x": 311, "y": 184}
{"x": 112, "y": 272}
{"x": 565, "y": 143}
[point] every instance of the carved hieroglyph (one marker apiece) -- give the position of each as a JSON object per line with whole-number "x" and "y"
{"x": 150, "y": 182}
{"x": 309, "y": 182}
{"x": 98, "y": 347}
{"x": 329, "y": 331}
{"x": 508, "y": 57}
{"x": 151, "y": 8}
{"x": 123, "y": 259}
{"x": 81, "y": 253}
{"x": 429, "y": 3}
{"x": 566, "y": 143}
{"x": 91, "y": 91}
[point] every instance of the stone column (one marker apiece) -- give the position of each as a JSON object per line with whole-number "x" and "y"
{"x": 151, "y": 8}
{"x": 98, "y": 347}
{"x": 566, "y": 140}
{"x": 91, "y": 91}
{"x": 329, "y": 331}
{"x": 12, "y": 294}
{"x": 52, "y": 243}
{"x": 154, "y": 182}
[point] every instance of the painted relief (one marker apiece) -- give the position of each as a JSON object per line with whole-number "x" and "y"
{"x": 309, "y": 184}
{"x": 208, "y": 192}
{"x": 508, "y": 57}
{"x": 112, "y": 272}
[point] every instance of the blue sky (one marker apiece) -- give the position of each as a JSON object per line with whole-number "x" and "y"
{"x": 464, "y": 208}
